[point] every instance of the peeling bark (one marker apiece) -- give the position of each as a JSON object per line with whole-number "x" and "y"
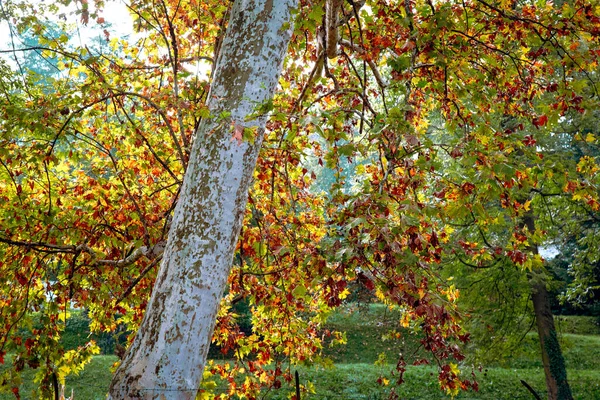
{"x": 168, "y": 355}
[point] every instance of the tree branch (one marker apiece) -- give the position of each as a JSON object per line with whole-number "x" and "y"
{"x": 382, "y": 84}
{"x": 332, "y": 23}
{"x": 137, "y": 280}
{"x": 150, "y": 252}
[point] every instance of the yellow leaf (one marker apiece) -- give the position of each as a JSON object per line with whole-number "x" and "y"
{"x": 405, "y": 320}
{"x": 454, "y": 369}
{"x": 63, "y": 167}
{"x": 261, "y": 378}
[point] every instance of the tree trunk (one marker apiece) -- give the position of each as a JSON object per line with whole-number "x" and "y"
{"x": 168, "y": 354}
{"x": 552, "y": 358}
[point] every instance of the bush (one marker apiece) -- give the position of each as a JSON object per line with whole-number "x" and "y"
{"x": 77, "y": 333}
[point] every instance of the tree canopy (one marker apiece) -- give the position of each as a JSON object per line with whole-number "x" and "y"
{"x": 408, "y": 143}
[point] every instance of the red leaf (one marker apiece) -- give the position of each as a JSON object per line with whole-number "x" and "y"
{"x": 468, "y": 187}
{"x": 238, "y": 133}
{"x": 22, "y": 279}
{"x": 29, "y": 343}
{"x": 540, "y": 121}
{"x": 366, "y": 281}
{"x": 529, "y": 140}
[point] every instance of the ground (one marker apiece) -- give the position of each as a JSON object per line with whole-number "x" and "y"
{"x": 354, "y": 375}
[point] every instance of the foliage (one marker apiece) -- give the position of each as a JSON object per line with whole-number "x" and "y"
{"x": 352, "y": 378}
{"x": 578, "y": 325}
{"x": 450, "y": 117}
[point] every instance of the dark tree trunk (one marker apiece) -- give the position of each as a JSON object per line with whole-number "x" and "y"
{"x": 552, "y": 358}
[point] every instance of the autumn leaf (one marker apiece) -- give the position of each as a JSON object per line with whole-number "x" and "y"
{"x": 238, "y": 132}
{"x": 540, "y": 121}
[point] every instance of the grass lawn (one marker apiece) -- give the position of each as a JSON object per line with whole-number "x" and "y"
{"x": 91, "y": 384}
{"x": 355, "y": 376}
{"x": 358, "y": 381}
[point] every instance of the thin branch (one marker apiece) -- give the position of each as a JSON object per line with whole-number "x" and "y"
{"x": 161, "y": 112}
{"x": 137, "y": 280}
{"x": 478, "y": 266}
{"x": 493, "y": 48}
{"x": 316, "y": 67}
{"x": 40, "y": 246}
{"x": 380, "y": 81}
{"x": 120, "y": 178}
{"x": 531, "y": 390}
{"x": 512, "y": 16}
{"x": 145, "y": 140}
{"x": 151, "y": 253}
{"x": 175, "y": 66}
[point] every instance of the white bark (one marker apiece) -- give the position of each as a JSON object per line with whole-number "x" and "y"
{"x": 168, "y": 355}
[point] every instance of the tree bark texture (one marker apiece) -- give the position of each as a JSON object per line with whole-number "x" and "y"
{"x": 332, "y": 21}
{"x": 168, "y": 354}
{"x": 552, "y": 358}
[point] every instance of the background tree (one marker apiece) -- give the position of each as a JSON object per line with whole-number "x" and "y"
{"x": 89, "y": 193}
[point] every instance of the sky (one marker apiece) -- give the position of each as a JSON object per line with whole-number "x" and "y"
{"x": 115, "y": 13}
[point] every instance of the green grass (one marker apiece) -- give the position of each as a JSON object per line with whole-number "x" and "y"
{"x": 91, "y": 384}
{"x": 365, "y": 327}
{"x": 355, "y": 376}
{"x": 581, "y": 352}
{"x": 578, "y": 324}
{"x": 359, "y": 381}
{"x": 580, "y": 340}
